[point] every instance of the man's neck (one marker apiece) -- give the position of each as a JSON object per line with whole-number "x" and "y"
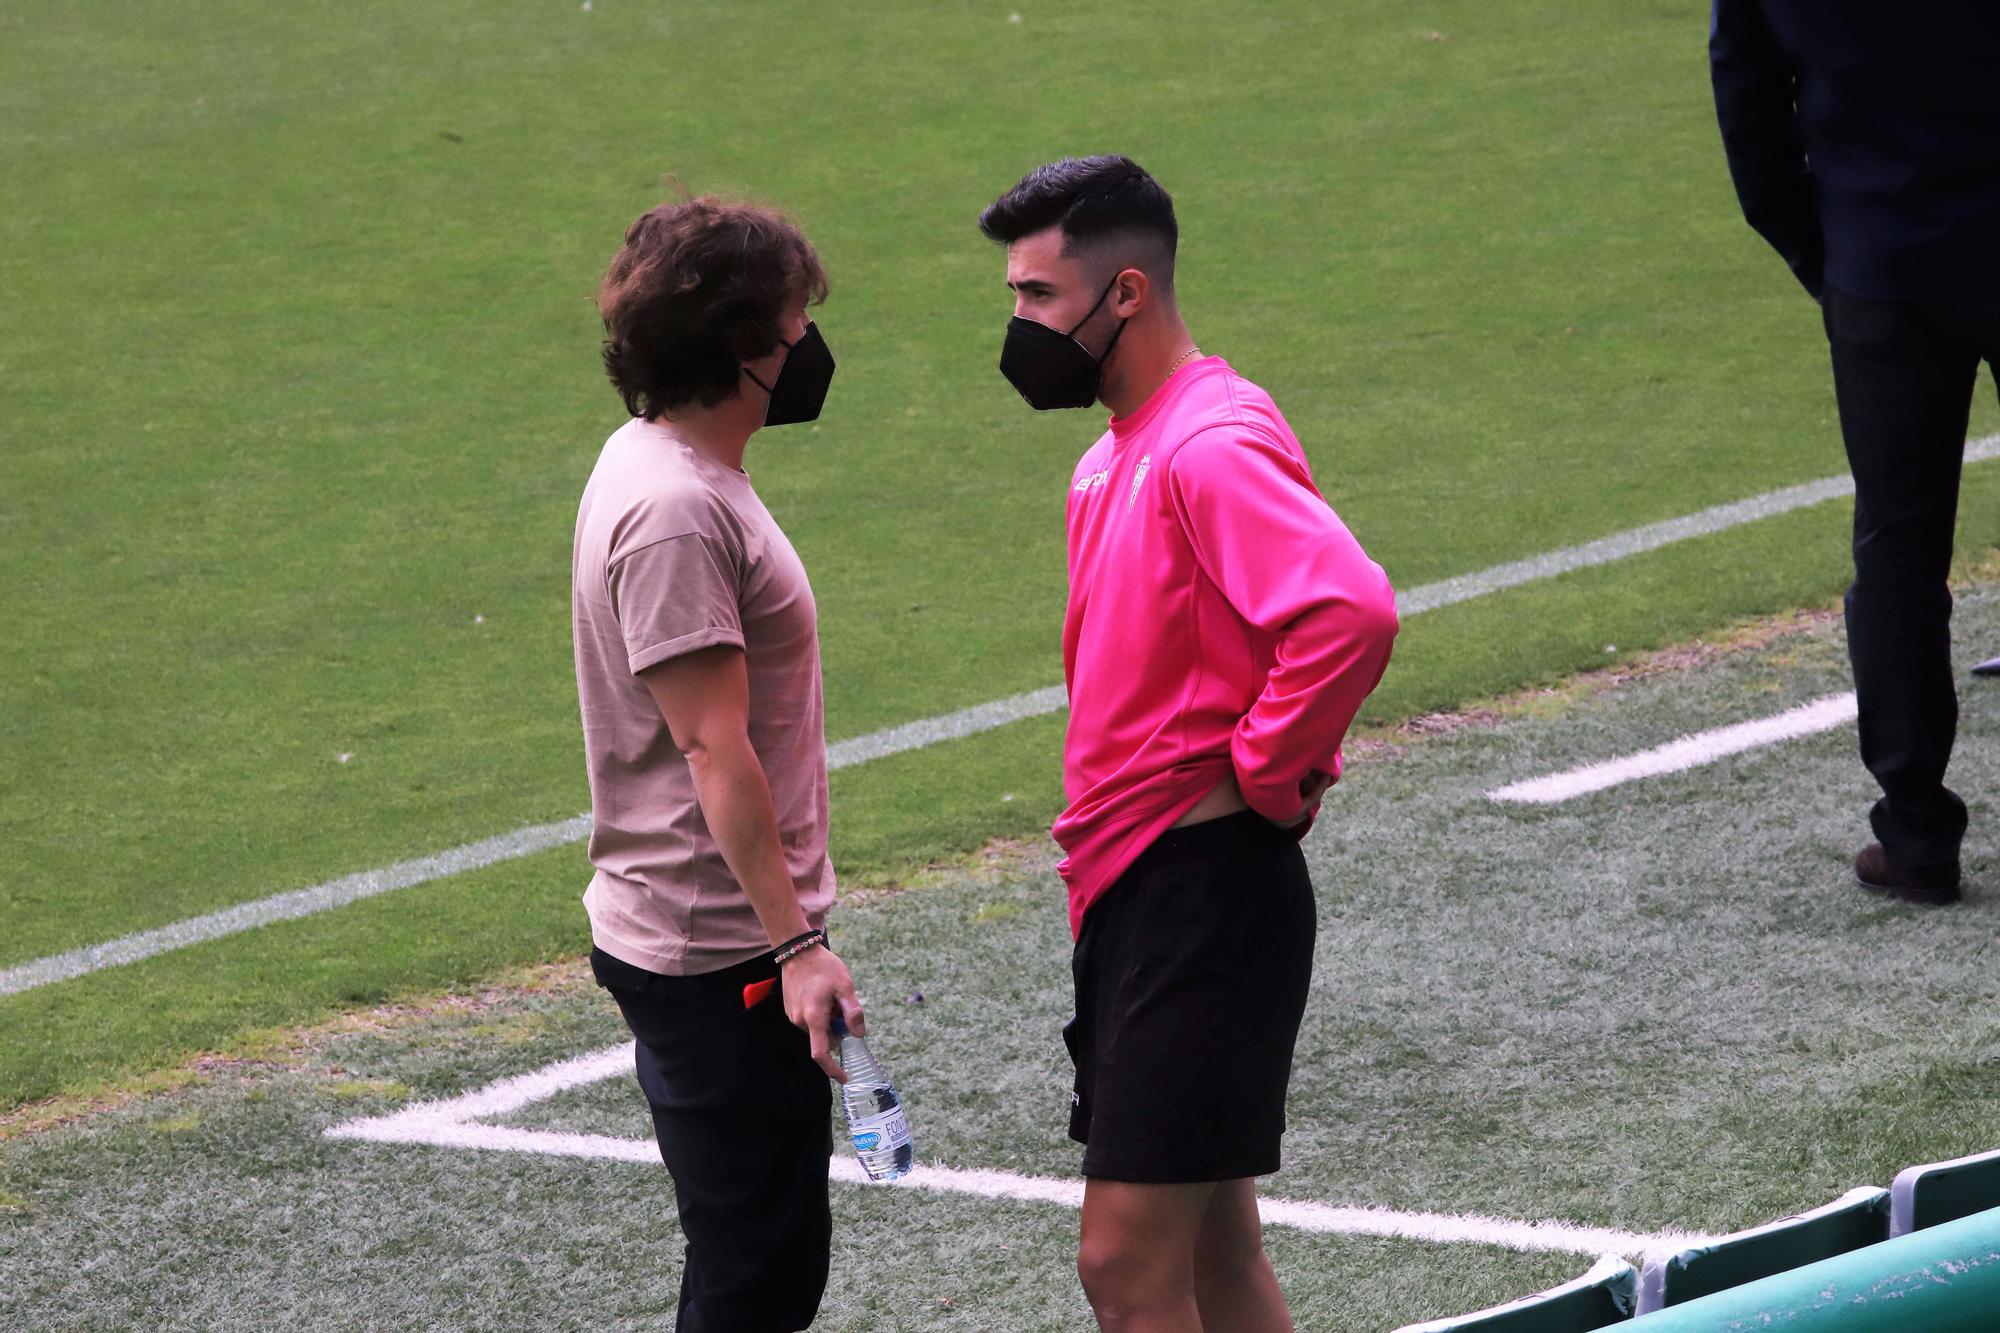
{"x": 720, "y": 434}
{"x": 1141, "y": 363}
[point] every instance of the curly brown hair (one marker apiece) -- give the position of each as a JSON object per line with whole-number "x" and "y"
{"x": 700, "y": 287}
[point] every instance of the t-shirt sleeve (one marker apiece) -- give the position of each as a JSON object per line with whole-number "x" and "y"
{"x": 675, "y": 596}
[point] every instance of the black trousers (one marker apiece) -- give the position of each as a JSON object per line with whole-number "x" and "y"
{"x": 1904, "y": 374}
{"x": 743, "y": 1118}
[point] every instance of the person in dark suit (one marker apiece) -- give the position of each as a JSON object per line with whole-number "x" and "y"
{"x": 1864, "y": 143}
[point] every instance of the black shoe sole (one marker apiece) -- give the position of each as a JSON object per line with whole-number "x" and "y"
{"x": 1911, "y": 894}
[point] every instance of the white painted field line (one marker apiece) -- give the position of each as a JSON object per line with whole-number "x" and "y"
{"x": 511, "y": 1094}
{"x": 453, "y": 1123}
{"x": 473, "y": 856}
{"x": 1704, "y": 747}
{"x": 500, "y": 1138}
{"x": 1469, "y": 1229}
{"x": 950, "y": 727}
{"x": 297, "y": 903}
{"x": 1651, "y": 537}
{"x": 893, "y": 740}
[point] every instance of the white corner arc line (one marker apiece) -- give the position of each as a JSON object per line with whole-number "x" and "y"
{"x": 452, "y": 1123}
{"x": 511, "y": 1094}
{"x": 1703, "y": 747}
{"x": 891, "y": 740}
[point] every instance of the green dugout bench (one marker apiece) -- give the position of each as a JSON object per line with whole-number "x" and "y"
{"x": 1920, "y": 1257}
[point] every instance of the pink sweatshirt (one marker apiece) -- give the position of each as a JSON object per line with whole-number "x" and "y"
{"x": 1221, "y": 618}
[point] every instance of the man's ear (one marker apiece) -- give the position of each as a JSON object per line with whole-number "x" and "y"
{"x": 1131, "y": 292}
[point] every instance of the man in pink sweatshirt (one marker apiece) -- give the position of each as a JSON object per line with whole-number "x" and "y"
{"x": 1223, "y": 628}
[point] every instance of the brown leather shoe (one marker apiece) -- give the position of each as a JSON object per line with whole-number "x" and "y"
{"x": 1929, "y": 886}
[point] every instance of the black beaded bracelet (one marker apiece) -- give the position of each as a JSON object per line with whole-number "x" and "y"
{"x": 792, "y": 948}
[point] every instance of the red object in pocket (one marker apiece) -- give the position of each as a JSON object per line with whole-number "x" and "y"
{"x": 756, "y": 992}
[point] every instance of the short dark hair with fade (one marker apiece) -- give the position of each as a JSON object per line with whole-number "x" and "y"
{"x": 1089, "y": 198}
{"x": 699, "y": 287}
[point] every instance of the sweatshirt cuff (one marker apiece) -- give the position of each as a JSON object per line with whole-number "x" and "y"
{"x": 1276, "y": 801}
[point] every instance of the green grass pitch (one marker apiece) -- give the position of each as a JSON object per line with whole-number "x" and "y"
{"x": 298, "y": 388}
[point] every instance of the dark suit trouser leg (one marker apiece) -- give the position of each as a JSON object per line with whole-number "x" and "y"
{"x": 1903, "y": 375}
{"x": 742, "y": 1115}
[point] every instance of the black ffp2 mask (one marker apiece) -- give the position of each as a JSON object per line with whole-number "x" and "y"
{"x": 800, "y": 389}
{"x": 1051, "y": 368}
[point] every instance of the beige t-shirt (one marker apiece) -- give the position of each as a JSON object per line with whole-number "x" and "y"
{"x": 675, "y": 552}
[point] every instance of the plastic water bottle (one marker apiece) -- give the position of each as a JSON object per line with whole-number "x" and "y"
{"x": 875, "y": 1118}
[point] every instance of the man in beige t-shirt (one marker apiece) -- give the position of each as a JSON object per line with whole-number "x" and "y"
{"x": 675, "y": 553}
{"x": 697, "y": 668}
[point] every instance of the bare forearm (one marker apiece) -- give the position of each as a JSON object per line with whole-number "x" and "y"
{"x": 1328, "y": 662}
{"x": 735, "y": 799}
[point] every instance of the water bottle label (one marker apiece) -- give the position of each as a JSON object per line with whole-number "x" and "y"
{"x": 887, "y": 1131}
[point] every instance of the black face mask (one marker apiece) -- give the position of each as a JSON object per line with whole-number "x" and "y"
{"x": 1050, "y": 367}
{"x": 800, "y": 389}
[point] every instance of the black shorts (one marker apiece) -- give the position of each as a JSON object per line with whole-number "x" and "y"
{"x": 1191, "y": 977}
